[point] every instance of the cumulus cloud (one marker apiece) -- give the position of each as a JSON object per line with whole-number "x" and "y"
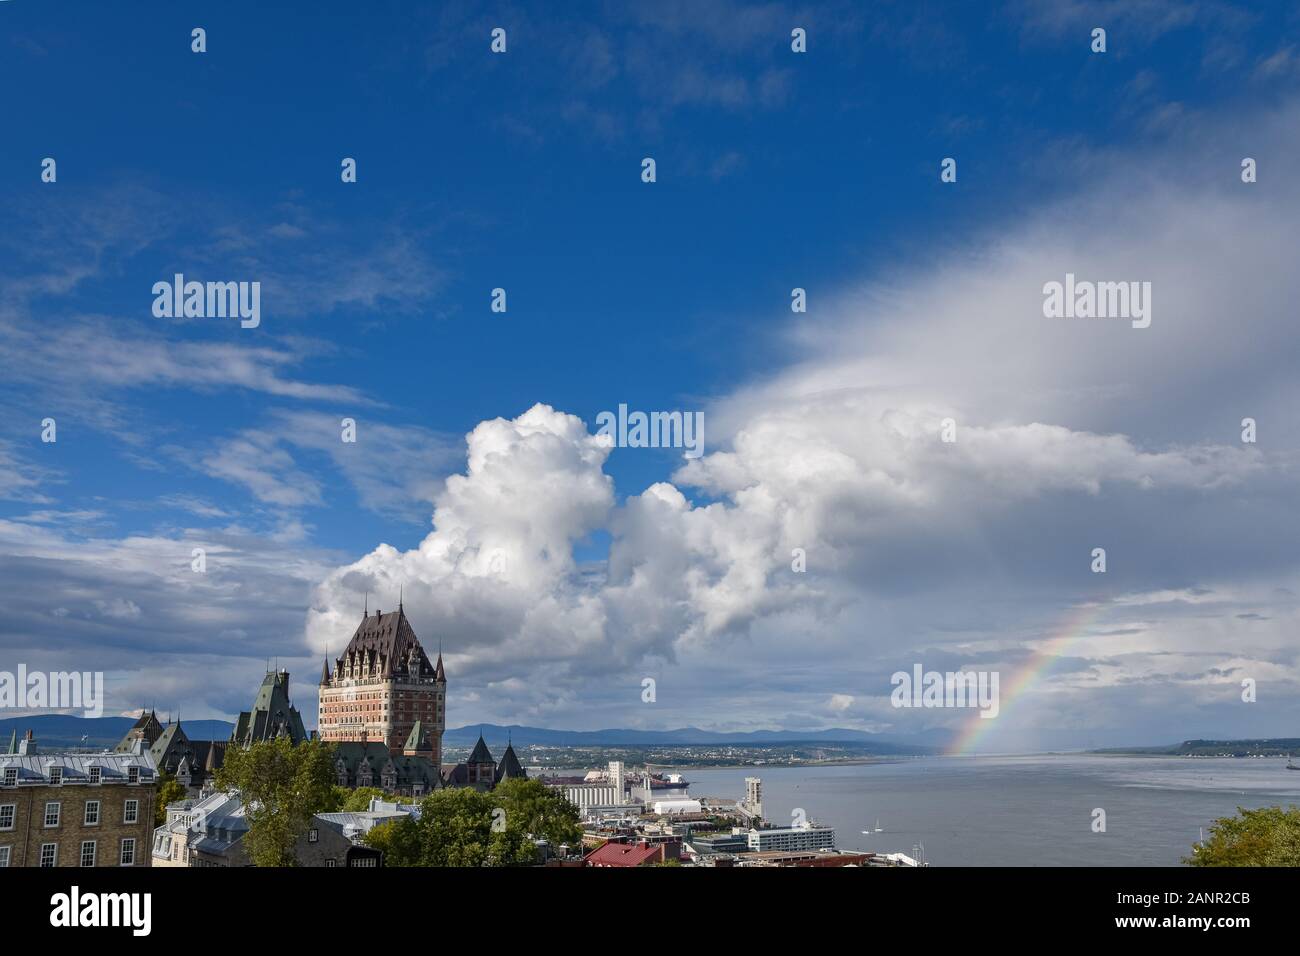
{"x": 1070, "y": 434}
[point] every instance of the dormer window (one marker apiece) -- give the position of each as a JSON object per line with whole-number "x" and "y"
{"x": 94, "y": 774}
{"x": 11, "y": 776}
{"x": 56, "y": 776}
{"x": 132, "y": 775}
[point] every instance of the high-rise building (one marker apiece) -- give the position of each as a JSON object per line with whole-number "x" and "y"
{"x": 617, "y": 779}
{"x": 382, "y": 686}
{"x": 753, "y": 804}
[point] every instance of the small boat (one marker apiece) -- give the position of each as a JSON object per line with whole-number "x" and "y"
{"x": 1290, "y": 762}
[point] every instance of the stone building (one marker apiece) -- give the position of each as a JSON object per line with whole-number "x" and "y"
{"x": 411, "y": 773}
{"x": 272, "y": 715}
{"x": 480, "y": 771}
{"x": 381, "y": 686}
{"x": 62, "y": 809}
{"x": 209, "y": 832}
{"x": 191, "y": 762}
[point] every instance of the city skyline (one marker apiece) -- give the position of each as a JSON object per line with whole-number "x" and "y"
{"x": 826, "y": 536}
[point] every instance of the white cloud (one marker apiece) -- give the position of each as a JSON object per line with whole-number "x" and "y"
{"x": 1069, "y": 432}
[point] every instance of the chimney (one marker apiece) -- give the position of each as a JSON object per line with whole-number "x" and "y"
{"x": 27, "y": 745}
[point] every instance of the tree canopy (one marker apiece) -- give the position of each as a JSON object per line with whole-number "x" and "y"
{"x": 459, "y": 827}
{"x": 282, "y": 787}
{"x": 169, "y": 791}
{"x": 1269, "y": 836}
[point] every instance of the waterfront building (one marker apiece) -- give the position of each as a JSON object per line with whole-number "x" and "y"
{"x": 807, "y": 837}
{"x": 752, "y": 805}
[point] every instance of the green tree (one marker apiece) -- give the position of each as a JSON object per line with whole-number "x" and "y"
{"x": 459, "y": 827}
{"x": 540, "y": 811}
{"x": 1269, "y": 836}
{"x": 282, "y": 786}
{"x": 354, "y": 801}
{"x": 399, "y": 840}
{"x": 169, "y": 791}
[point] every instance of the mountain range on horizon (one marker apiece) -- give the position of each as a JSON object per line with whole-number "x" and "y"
{"x": 69, "y": 730}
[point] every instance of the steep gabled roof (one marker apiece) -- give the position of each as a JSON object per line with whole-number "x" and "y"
{"x": 418, "y": 738}
{"x": 481, "y": 754}
{"x": 509, "y": 768}
{"x": 390, "y": 641}
{"x": 171, "y": 739}
{"x": 145, "y": 728}
{"x": 272, "y": 714}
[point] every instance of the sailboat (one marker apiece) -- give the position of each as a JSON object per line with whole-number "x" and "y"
{"x": 869, "y": 831}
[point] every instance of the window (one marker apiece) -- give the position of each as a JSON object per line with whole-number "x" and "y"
{"x": 132, "y": 775}
{"x": 313, "y": 835}
{"x": 56, "y": 776}
{"x": 131, "y": 811}
{"x": 363, "y": 861}
{"x": 52, "y": 814}
{"x": 7, "y": 816}
{"x": 87, "y": 852}
{"x": 329, "y": 864}
{"x": 4, "y": 857}
{"x": 94, "y": 774}
{"x": 91, "y": 819}
{"x": 49, "y": 854}
{"x": 11, "y": 776}
{"x": 128, "y": 851}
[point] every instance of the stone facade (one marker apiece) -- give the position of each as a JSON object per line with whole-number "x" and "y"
{"x": 76, "y": 809}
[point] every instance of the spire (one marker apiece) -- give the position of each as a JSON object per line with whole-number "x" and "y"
{"x": 325, "y": 670}
{"x": 366, "y": 611}
{"x": 400, "y": 588}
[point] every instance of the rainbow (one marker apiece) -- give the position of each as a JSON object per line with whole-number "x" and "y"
{"x": 1074, "y": 627}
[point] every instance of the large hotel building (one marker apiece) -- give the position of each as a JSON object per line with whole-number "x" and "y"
{"x": 382, "y": 685}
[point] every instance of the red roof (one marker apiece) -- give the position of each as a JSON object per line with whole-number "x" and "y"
{"x": 624, "y": 854}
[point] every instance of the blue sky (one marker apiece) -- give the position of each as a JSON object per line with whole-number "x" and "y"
{"x": 521, "y": 170}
